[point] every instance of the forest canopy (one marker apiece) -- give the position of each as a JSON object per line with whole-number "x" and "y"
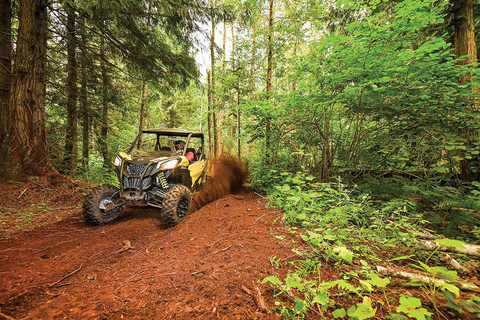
{"x": 338, "y": 88}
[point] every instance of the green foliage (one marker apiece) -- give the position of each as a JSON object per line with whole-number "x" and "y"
{"x": 452, "y": 211}
{"x": 97, "y": 173}
{"x": 412, "y": 307}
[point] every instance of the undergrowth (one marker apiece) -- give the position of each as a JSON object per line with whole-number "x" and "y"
{"x": 355, "y": 231}
{"x": 97, "y": 173}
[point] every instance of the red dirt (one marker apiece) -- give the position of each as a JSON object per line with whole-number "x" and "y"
{"x": 68, "y": 269}
{"x": 228, "y": 177}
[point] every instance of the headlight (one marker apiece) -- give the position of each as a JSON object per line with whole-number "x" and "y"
{"x": 169, "y": 165}
{"x": 117, "y": 162}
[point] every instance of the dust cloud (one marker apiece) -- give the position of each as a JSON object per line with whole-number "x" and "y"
{"x": 228, "y": 175}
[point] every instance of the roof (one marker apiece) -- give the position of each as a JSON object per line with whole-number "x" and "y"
{"x": 174, "y": 132}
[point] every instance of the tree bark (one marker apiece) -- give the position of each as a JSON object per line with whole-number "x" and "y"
{"x": 83, "y": 96}
{"x": 269, "y": 77}
{"x": 71, "y": 148}
{"x": 85, "y": 118}
{"x": 104, "y": 118}
{"x": 142, "y": 112}
{"x": 209, "y": 112}
{"x": 28, "y": 138}
{"x": 212, "y": 86}
{"x": 465, "y": 45}
{"x": 224, "y": 51}
{"x": 427, "y": 279}
{"x": 252, "y": 63}
{"x": 5, "y": 69}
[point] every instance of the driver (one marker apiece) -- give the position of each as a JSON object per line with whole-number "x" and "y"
{"x": 179, "y": 146}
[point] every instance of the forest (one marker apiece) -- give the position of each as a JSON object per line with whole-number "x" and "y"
{"x": 354, "y": 127}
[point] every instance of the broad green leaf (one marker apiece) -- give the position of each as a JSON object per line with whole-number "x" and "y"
{"x": 299, "y": 304}
{"x": 293, "y": 283}
{"x": 339, "y": 313}
{"x": 451, "y": 243}
{"x": 412, "y": 307}
{"x": 344, "y": 254}
{"x": 402, "y": 257}
{"x": 444, "y": 273}
{"x": 366, "y": 285}
{"x": 362, "y": 311}
{"x": 272, "y": 280}
{"x": 451, "y": 301}
{"x": 321, "y": 298}
{"x": 377, "y": 281}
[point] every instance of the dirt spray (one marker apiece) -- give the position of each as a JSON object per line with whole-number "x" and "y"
{"x": 228, "y": 175}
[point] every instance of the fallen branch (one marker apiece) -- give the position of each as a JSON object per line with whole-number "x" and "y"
{"x": 197, "y": 272}
{"x": 411, "y": 275}
{"x": 468, "y": 249}
{"x": 455, "y": 264}
{"x": 248, "y": 291}
{"x": 258, "y": 194}
{"x": 222, "y": 250}
{"x": 126, "y": 246}
{"x": 65, "y": 277}
{"x": 21, "y": 194}
{"x": 257, "y": 296}
{"x": 260, "y": 218}
{"x": 5, "y": 316}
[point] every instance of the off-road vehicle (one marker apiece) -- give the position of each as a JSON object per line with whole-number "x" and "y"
{"x": 162, "y": 171}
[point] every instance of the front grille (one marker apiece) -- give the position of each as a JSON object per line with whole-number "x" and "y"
{"x": 135, "y": 169}
{"x": 135, "y": 182}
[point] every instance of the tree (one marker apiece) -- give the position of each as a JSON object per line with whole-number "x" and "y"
{"x": 269, "y": 74}
{"x": 465, "y": 46}
{"x": 5, "y": 68}
{"x": 71, "y": 149}
{"x": 28, "y": 141}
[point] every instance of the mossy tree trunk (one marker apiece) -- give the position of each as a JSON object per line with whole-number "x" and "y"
{"x": 27, "y": 144}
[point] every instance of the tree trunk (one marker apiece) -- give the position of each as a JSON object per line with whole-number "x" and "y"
{"x": 224, "y": 51}
{"x": 465, "y": 45}
{"x": 85, "y": 116}
{"x": 269, "y": 77}
{"x": 5, "y": 70}
{"x": 28, "y": 139}
{"x": 83, "y": 98}
{"x": 294, "y": 85}
{"x": 104, "y": 118}
{"x": 212, "y": 86}
{"x": 252, "y": 63}
{"x": 142, "y": 112}
{"x": 71, "y": 152}
{"x": 209, "y": 113}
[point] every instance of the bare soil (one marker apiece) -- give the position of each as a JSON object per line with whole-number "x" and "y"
{"x": 68, "y": 269}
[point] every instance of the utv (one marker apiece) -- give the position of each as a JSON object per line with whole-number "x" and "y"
{"x": 161, "y": 171}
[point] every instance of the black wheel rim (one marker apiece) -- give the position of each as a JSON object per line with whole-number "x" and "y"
{"x": 182, "y": 208}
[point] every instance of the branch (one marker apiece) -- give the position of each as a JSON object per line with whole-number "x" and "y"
{"x": 410, "y": 275}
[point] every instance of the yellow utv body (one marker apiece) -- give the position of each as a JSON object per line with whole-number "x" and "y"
{"x": 161, "y": 168}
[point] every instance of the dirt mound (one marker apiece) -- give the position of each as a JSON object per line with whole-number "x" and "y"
{"x": 227, "y": 177}
{"x": 29, "y": 204}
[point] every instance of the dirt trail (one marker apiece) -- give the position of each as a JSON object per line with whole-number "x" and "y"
{"x": 69, "y": 269}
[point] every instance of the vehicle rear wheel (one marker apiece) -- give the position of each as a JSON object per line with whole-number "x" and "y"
{"x": 102, "y": 205}
{"x": 175, "y": 205}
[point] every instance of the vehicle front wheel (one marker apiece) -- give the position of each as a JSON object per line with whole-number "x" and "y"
{"x": 176, "y": 205}
{"x": 102, "y": 205}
